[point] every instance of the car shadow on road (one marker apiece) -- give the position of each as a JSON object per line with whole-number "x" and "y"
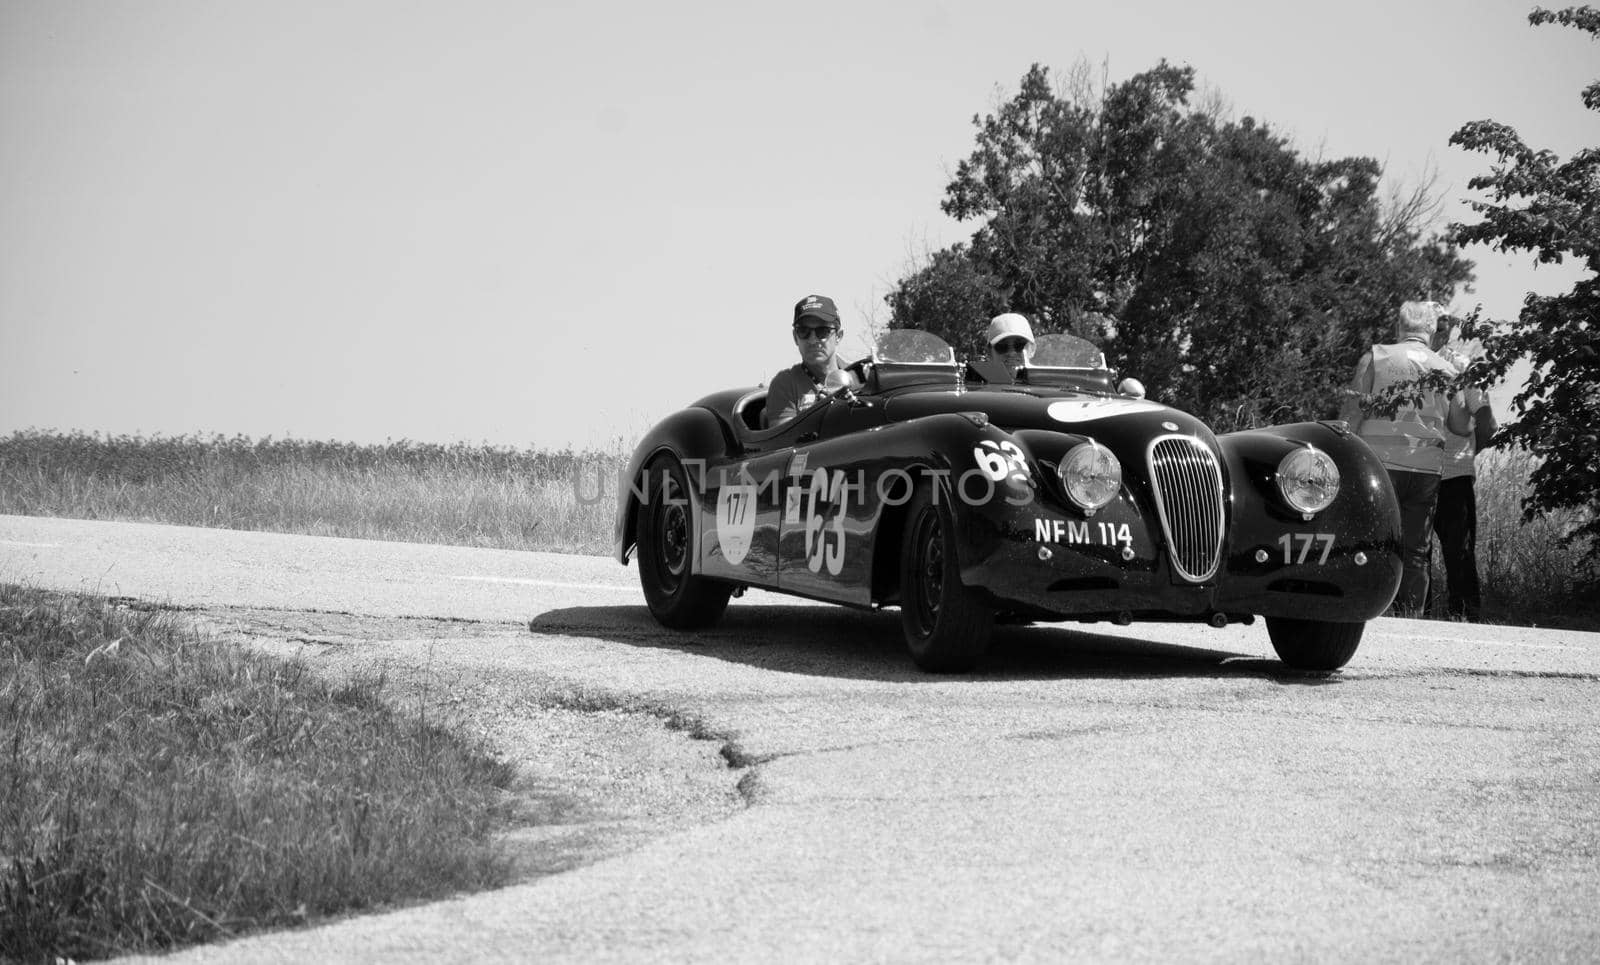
{"x": 851, "y": 644}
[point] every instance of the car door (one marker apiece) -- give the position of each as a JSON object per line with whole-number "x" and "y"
{"x": 830, "y": 507}
{"x": 742, "y": 503}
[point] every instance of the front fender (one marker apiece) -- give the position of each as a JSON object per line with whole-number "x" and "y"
{"x": 877, "y": 470}
{"x": 1002, "y": 491}
{"x": 1343, "y": 564}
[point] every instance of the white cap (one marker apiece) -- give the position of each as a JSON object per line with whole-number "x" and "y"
{"x": 1007, "y": 326}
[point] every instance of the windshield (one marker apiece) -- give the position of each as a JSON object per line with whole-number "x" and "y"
{"x": 1068, "y": 352}
{"x": 912, "y": 346}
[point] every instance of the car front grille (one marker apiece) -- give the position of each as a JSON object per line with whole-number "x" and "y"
{"x": 1188, "y": 488}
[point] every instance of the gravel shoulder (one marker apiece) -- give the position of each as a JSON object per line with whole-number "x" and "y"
{"x": 598, "y": 774}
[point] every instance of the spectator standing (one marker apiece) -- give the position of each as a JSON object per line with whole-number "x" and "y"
{"x": 1410, "y": 444}
{"x": 1456, "y": 519}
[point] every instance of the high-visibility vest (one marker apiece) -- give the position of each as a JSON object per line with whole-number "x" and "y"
{"x": 1414, "y": 439}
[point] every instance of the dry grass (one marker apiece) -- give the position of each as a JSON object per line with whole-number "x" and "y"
{"x": 459, "y": 495}
{"x": 162, "y": 789}
{"x": 1528, "y": 577}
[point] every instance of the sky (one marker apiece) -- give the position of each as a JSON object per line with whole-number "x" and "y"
{"x": 537, "y": 223}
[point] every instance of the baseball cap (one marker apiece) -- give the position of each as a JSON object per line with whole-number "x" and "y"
{"x": 817, "y": 306}
{"x": 1008, "y": 325}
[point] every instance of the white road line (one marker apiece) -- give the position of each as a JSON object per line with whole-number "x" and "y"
{"x": 613, "y": 587}
{"x": 42, "y": 546}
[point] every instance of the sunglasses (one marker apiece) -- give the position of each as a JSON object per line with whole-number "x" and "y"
{"x": 1011, "y": 346}
{"x": 814, "y": 331}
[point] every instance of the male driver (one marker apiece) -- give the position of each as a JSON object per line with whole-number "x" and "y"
{"x": 1010, "y": 339}
{"x": 1411, "y": 443}
{"x": 816, "y": 335}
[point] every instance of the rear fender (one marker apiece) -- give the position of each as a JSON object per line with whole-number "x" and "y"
{"x": 687, "y": 435}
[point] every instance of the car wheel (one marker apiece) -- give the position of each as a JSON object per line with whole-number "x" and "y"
{"x": 946, "y": 626}
{"x": 1314, "y": 644}
{"x": 666, "y": 538}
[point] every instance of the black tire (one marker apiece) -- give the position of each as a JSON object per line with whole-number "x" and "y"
{"x": 946, "y": 625}
{"x": 1314, "y": 644}
{"x": 666, "y": 538}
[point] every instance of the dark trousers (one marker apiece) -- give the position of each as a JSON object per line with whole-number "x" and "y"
{"x": 1418, "y": 494}
{"x": 1456, "y": 522}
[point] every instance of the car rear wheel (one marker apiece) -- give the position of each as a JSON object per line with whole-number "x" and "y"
{"x": 1314, "y": 644}
{"x": 946, "y": 625}
{"x": 666, "y": 538}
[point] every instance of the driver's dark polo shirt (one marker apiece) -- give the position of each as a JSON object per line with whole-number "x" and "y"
{"x": 792, "y": 391}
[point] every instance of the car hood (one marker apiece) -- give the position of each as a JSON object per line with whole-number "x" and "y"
{"x": 1102, "y": 417}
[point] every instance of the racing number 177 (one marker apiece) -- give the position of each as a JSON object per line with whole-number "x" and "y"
{"x": 738, "y": 505}
{"x": 1305, "y": 541}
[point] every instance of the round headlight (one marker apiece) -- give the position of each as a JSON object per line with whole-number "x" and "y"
{"x": 1091, "y": 475}
{"x": 1308, "y": 480}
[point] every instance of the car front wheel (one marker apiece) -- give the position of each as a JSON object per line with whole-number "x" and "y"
{"x": 946, "y": 625}
{"x": 666, "y": 538}
{"x": 1314, "y": 644}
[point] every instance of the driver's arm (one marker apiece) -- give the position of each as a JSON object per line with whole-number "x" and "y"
{"x": 783, "y": 398}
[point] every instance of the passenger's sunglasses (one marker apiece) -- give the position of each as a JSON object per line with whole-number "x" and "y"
{"x": 1011, "y": 346}
{"x": 814, "y": 331}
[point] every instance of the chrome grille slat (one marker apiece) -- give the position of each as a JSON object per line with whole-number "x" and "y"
{"x": 1187, "y": 482}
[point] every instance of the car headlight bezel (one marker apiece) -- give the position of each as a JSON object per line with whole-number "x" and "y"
{"x": 1308, "y": 480}
{"x": 1090, "y": 475}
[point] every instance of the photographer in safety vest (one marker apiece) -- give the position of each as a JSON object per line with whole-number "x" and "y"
{"x": 1411, "y": 442}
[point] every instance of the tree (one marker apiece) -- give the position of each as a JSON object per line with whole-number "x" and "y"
{"x": 951, "y": 294}
{"x": 1550, "y": 208}
{"x": 1234, "y": 277}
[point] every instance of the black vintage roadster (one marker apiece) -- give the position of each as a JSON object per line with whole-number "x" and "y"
{"x": 964, "y": 493}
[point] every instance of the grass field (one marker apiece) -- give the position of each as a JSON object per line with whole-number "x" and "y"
{"x": 561, "y": 501}
{"x": 162, "y": 789}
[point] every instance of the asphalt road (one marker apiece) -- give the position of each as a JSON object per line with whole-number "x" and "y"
{"x": 1147, "y": 793}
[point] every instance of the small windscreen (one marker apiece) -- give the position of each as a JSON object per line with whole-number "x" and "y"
{"x": 1066, "y": 352}
{"x": 908, "y": 345}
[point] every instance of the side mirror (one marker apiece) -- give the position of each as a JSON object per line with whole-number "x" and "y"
{"x": 1132, "y": 388}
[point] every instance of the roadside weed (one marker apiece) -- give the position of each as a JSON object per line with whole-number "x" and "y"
{"x": 162, "y": 789}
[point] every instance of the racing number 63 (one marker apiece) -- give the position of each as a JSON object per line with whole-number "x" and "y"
{"x": 818, "y": 548}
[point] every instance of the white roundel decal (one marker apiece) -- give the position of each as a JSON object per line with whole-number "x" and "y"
{"x": 1086, "y": 410}
{"x": 736, "y": 520}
